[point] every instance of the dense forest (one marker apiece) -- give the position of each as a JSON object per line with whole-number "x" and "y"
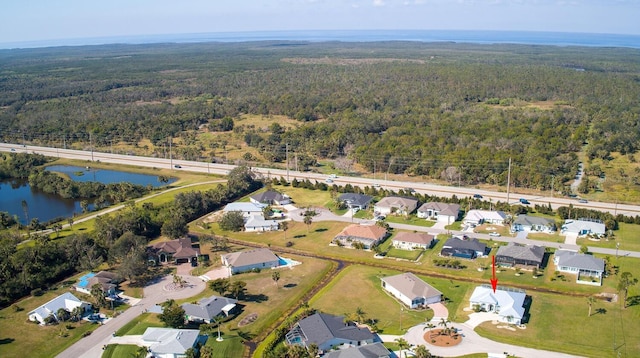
{"x": 452, "y": 112}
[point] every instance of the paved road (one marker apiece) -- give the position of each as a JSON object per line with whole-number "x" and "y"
{"x": 155, "y": 293}
{"x": 223, "y": 169}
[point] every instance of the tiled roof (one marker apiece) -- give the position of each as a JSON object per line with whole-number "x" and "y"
{"x": 397, "y": 202}
{"x": 178, "y": 248}
{"x": 373, "y": 350}
{"x": 372, "y": 232}
{"x": 533, "y": 220}
{"x": 321, "y": 327}
{"x": 170, "y": 340}
{"x": 209, "y": 307}
{"x": 510, "y": 302}
{"x": 470, "y": 244}
{"x": 441, "y": 208}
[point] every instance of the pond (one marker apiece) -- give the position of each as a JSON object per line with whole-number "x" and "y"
{"x": 47, "y": 207}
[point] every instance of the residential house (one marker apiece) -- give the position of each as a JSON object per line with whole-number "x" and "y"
{"x": 533, "y": 224}
{"x": 584, "y": 227}
{"x": 353, "y": 200}
{"x": 108, "y": 281}
{"x": 367, "y": 235}
{"x": 248, "y": 260}
{"x": 270, "y": 197}
{"x": 468, "y": 249}
{"x": 396, "y": 205}
{"x": 508, "y": 303}
{"x": 479, "y": 217}
{"x": 373, "y": 350}
{"x": 589, "y": 269}
{"x": 520, "y": 255}
{"x": 411, "y": 290}
{"x": 441, "y": 212}
{"x": 328, "y": 331}
{"x": 171, "y": 342}
{"x": 177, "y": 251}
{"x": 258, "y": 223}
{"x": 413, "y": 241}
{"x": 209, "y": 308}
{"x": 65, "y": 301}
{"x": 247, "y": 209}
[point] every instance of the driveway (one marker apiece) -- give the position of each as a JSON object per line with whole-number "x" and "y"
{"x": 156, "y": 292}
{"x": 220, "y": 272}
{"x": 473, "y": 343}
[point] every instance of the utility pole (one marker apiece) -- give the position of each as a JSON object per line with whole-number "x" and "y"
{"x": 91, "y": 146}
{"x": 170, "y": 152}
{"x": 287, "y": 159}
{"x": 553, "y": 178}
{"x": 508, "y": 180}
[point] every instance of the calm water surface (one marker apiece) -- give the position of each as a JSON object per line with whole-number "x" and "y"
{"x": 46, "y": 207}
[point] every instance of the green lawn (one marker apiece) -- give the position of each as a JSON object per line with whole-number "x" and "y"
{"x": 140, "y": 324}
{"x": 120, "y": 350}
{"x": 19, "y": 336}
{"x": 627, "y": 235}
{"x": 556, "y": 237}
{"x": 561, "y": 323}
{"x": 304, "y": 197}
{"x": 411, "y": 255}
{"x": 410, "y": 220}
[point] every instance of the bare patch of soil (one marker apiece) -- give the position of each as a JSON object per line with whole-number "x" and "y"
{"x": 436, "y": 338}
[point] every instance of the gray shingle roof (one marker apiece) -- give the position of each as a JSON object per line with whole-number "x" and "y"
{"x": 322, "y": 327}
{"x": 580, "y": 261}
{"x": 533, "y": 220}
{"x": 208, "y": 308}
{"x": 441, "y": 208}
{"x": 355, "y": 199}
{"x": 268, "y": 196}
{"x": 524, "y": 252}
{"x": 414, "y": 237}
{"x": 170, "y": 340}
{"x": 470, "y": 244}
{"x": 374, "y": 350}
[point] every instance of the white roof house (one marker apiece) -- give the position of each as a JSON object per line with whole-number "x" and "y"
{"x": 170, "y": 342}
{"x": 478, "y": 217}
{"x": 66, "y": 301}
{"x": 583, "y": 227}
{"x": 245, "y": 208}
{"x": 507, "y": 303}
{"x": 259, "y": 223}
{"x": 411, "y": 290}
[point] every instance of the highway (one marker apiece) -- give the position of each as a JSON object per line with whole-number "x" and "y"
{"x": 223, "y": 169}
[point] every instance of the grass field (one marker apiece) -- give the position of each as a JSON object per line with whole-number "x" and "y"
{"x": 410, "y": 220}
{"x": 140, "y": 324}
{"x": 120, "y": 350}
{"x": 18, "y": 335}
{"x": 627, "y": 235}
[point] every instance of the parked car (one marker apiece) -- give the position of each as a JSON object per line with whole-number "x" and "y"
{"x": 524, "y": 201}
{"x": 494, "y": 234}
{"x": 477, "y": 196}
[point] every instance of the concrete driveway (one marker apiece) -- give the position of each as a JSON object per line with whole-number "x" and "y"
{"x": 155, "y": 292}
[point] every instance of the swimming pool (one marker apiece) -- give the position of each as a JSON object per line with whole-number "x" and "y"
{"x": 283, "y": 261}
{"x": 83, "y": 281}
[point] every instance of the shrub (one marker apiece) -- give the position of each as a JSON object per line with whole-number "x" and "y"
{"x": 37, "y": 292}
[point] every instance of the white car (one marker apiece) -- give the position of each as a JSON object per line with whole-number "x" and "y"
{"x": 494, "y": 234}
{"x": 329, "y": 181}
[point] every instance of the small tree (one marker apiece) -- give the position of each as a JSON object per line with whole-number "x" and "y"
{"x": 220, "y": 285}
{"x": 360, "y": 314}
{"x": 284, "y": 226}
{"x": 308, "y": 220}
{"x": 98, "y": 295}
{"x": 402, "y": 344}
{"x": 590, "y": 300}
{"x": 63, "y": 315}
{"x": 422, "y": 352}
{"x": 238, "y": 288}
{"x": 275, "y": 276}
{"x": 172, "y": 315}
{"x": 626, "y": 280}
{"x": 232, "y": 221}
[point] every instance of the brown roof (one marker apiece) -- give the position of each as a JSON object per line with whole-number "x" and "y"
{"x": 373, "y": 232}
{"x": 179, "y": 248}
{"x": 417, "y": 238}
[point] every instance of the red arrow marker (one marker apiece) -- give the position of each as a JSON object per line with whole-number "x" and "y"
{"x": 494, "y": 279}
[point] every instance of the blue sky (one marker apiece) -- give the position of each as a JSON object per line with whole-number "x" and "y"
{"x": 34, "y": 20}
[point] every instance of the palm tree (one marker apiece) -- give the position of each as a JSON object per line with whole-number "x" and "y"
{"x": 402, "y": 344}
{"x": 218, "y": 321}
{"x": 308, "y": 220}
{"x": 275, "y": 276}
{"x": 98, "y": 295}
{"x": 360, "y": 314}
{"x": 313, "y": 350}
{"x": 429, "y": 326}
{"x": 626, "y": 280}
{"x": 284, "y": 226}
{"x": 422, "y": 352}
{"x": 590, "y": 300}
{"x": 141, "y": 352}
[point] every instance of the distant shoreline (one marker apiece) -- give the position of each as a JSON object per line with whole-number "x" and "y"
{"x": 458, "y": 36}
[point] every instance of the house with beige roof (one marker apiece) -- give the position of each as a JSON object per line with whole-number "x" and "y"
{"x": 413, "y": 241}
{"x": 177, "y": 251}
{"x": 411, "y": 290}
{"x": 441, "y": 212}
{"x": 479, "y": 217}
{"x": 396, "y": 205}
{"x": 367, "y": 235}
{"x": 248, "y": 260}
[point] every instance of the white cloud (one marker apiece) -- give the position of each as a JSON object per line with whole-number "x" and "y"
{"x": 378, "y": 3}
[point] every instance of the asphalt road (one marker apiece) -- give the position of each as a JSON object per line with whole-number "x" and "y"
{"x": 91, "y": 346}
{"x": 223, "y": 169}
